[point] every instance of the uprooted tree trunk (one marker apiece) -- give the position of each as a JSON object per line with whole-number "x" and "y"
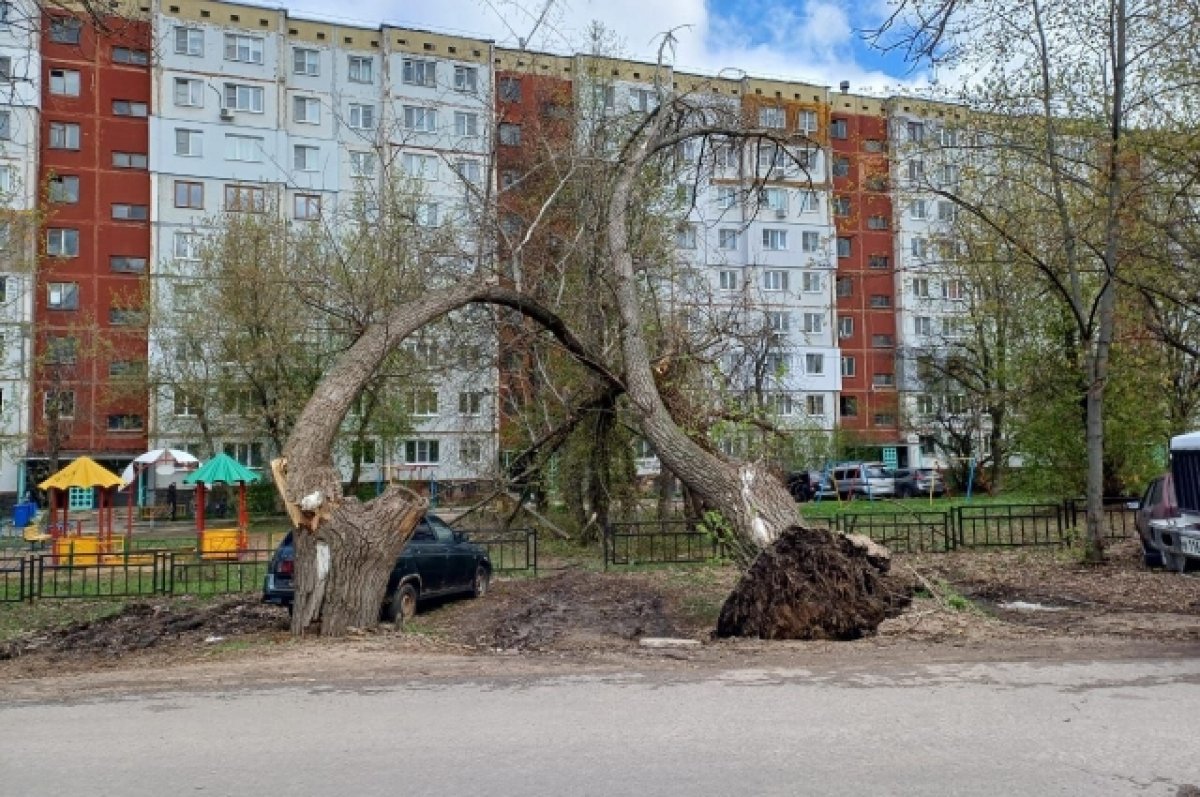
{"x": 836, "y": 581}
{"x": 363, "y": 539}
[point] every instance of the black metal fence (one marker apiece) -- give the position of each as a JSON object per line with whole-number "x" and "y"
{"x": 42, "y": 575}
{"x": 514, "y": 551}
{"x": 660, "y": 542}
{"x": 968, "y": 526}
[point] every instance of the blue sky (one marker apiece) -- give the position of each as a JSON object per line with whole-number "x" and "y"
{"x": 811, "y": 40}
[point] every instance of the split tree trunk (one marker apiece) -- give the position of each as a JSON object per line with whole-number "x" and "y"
{"x": 365, "y": 538}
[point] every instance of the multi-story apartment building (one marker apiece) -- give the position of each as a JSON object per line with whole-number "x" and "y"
{"x": 265, "y": 112}
{"x": 89, "y": 302}
{"x": 865, "y": 295}
{"x": 20, "y": 129}
{"x": 125, "y": 144}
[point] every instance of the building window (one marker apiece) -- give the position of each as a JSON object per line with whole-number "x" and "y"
{"x": 727, "y": 280}
{"x": 123, "y": 212}
{"x": 307, "y": 207}
{"x": 814, "y": 364}
{"x": 466, "y": 78}
{"x": 64, "y": 82}
{"x": 880, "y": 301}
{"x": 841, "y": 206}
{"x": 362, "y": 117}
{"x": 189, "y": 195}
{"x": 848, "y": 406}
{"x": 466, "y": 124}
{"x": 775, "y": 118}
{"x": 845, "y": 327}
{"x": 363, "y": 452}
{"x": 685, "y": 236}
{"x": 243, "y": 148}
{"x": 814, "y": 323}
{"x": 242, "y": 97}
{"x": 925, "y": 404}
{"x": 187, "y": 246}
{"x": 916, "y": 131}
{"x": 130, "y": 108}
{"x": 128, "y": 422}
{"x": 814, "y": 405}
{"x": 420, "y": 167}
{"x": 806, "y": 122}
{"x": 510, "y": 89}
{"x": 62, "y": 350}
{"x": 420, "y": 119}
{"x": 809, "y": 201}
{"x": 810, "y": 241}
{"x": 882, "y": 341}
{"x": 362, "y": 164}
{"x": 64, "y": 189}
{"x": 953, "y": 290}
{"x": 62, "y": 242}
{"x": 920, "y": 248}
{"x": 727, "y": 239}
{"x": 5, "y": 125}
{"x": 189, "y": 41}
{"x": 248, "y": 454}
{"x": 946, "y": 211}
{"x": 877, "y": 261}
{"x": 510, "y": 134}
{"x": 779, "y": 321}
{"x": 841, "y": 166}
{"x": 775, "y": 199}
{"x": 885, "y": 419}
{"x": 916, "y": 170}
{"x": 119, "y": 369}
{"x": 62, "y": 296}
{"x": 123, "y": 264}
{"x": 189, "y": 92}
{"x": 419, "y": 73}
{"x": 847, "y": 366}
{"x": 844, "y": 246}
{"x": 245, "y": 198}
{"x": 838, "y": 128}
{"x": 189, "y": 143}
{"x": 248, "y": 49}
{"x": 306, "y": 62}
{"x": 129, "y": 160}
{"x": 64, "y": 135}
{"x": 922, "y": 325}
{"x": 59, "y": 404}
{"x": 470, "y": 451}
{"x": 920, "y": 287}
{"x": 362, "y": 69}
{"x": 950, "y": 174}
{"x": 126, "y": 317}
{"x": 810, "y": 281}
{"x": 775, "y": 280}
{"x": 470, "y": 403}
{"x": 306, "y": 110}
{"x": 305, "y": 158}
{"x": 421, "y": 452}
{"x": 774, "y": 240}
{"x": 66, "y": 30}
{"x": 918, "y": 209}
{"x": 844, "y": 287}
{"x": 125, "y": 55}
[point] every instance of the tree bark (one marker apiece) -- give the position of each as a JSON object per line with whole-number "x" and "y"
{"x": 757, "y": 505}
{"x": 365, "y": 538}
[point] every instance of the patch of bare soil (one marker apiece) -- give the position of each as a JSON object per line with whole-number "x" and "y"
{"x": 1054, "y": 591}
{"x": 151, "y": 624}
{"x": 574, "y": 609}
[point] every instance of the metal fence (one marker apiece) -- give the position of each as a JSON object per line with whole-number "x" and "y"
{"x": 1118, "y": 517}
{"x": 903, "y": 532}
{"x": 660, "y": 542}
{"x": 42, "y": 575}
{"x": 1009, "y": 525}
{"x": 514, "y": 551}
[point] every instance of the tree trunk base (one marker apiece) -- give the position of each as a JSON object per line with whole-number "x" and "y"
{"x": 812, "y": 584}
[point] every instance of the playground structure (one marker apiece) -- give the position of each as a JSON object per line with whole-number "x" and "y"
{"x": 414, "y": 477}
{"x": 165, "y": 461}
{"x": 225, "y": 543}
{"x": 94, "y": 547}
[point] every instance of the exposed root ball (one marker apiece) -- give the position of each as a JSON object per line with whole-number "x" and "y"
{"x": 812, "y": 584}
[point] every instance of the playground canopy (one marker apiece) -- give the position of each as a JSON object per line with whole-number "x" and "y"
{"x": 221, "y": 468}
{"x": 159, "y": 456}
{"x": 83, "y": 472}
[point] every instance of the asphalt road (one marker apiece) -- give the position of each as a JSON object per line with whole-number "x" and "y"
{"x": 1101, "y": 728}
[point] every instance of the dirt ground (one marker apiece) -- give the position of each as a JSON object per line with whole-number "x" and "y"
{"x": 984, "y": 604}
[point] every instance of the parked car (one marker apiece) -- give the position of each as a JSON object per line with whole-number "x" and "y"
{"x": 869, "y": 479}
{"x": 909, "y": 482}
{"x": 1158, "y": 503}
{"x": 437, "y": 561}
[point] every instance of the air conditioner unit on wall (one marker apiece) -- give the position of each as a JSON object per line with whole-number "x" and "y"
{"x": 780, "y": 213}
{"x": 226, "y": 115}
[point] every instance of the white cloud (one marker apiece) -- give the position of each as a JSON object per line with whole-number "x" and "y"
{"x": 808, "y": 40}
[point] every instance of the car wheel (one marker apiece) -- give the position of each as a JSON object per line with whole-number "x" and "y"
{"x": 1174, "y": 562}
{"x": 1151, "y": 557}
{"x": 403, "y": 605}
{"x": 483, "y": 579}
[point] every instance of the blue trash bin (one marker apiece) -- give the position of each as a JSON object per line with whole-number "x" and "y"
{"x": 23, "y": 512}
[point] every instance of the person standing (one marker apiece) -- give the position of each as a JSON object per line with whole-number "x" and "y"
{"x": 172, "y": 498}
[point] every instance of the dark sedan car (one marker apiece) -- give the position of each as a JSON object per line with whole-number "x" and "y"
{"x": 437, "y": 561}
{"x": 912, "y": 482}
